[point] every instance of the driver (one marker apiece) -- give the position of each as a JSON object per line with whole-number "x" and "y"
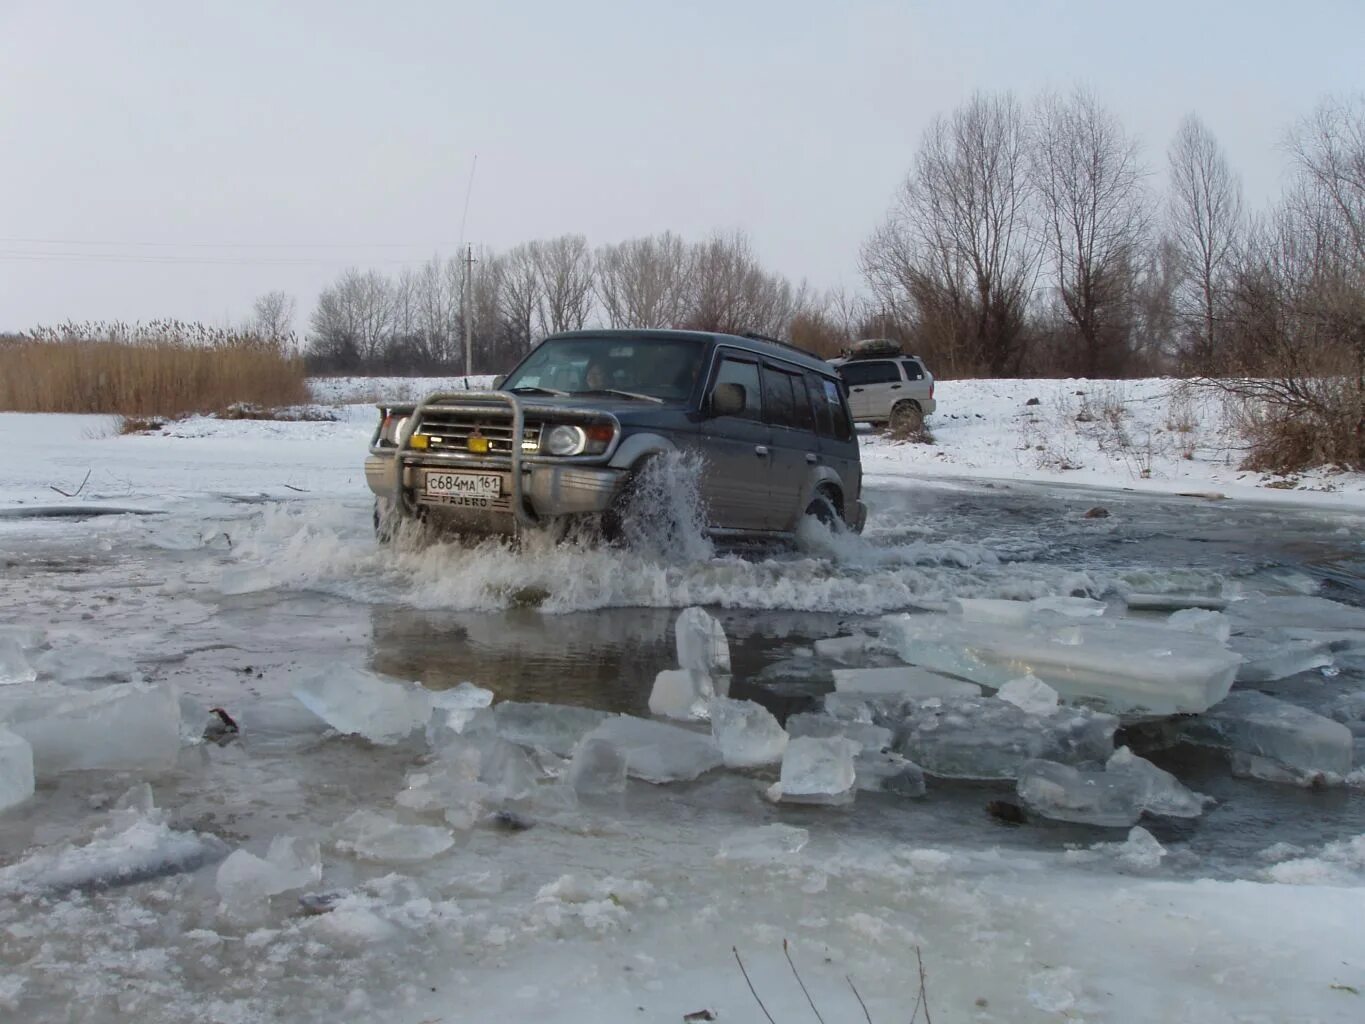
{"x": 596, "y": 377}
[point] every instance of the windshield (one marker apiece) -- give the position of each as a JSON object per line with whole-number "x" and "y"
{"x": 662, "y": 368}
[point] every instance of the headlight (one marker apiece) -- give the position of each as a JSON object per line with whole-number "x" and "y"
{"x": 564, "y": 440}
{"x": 398, "y": 428}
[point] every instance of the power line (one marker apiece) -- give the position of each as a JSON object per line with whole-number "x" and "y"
{"x": 41, "y": 256}
{"x": 225, "y": 245}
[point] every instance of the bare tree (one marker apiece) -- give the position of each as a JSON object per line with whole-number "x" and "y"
{"x": 645, "y": 282}
{"x": 957, "y": 249}
{"x": 1205, "y": 211}
{"x": 355, "y": 315}
{"x": 1094, "y": 210}
{"x": 732, "y": 293}
{"x": 564, "y": 266}
{"x": 520, "y": 294}
{"x": 437, "y": 308}
{"x": 272, "y": 315}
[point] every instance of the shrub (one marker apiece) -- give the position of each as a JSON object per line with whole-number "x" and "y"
{"x": 165, "y": 368}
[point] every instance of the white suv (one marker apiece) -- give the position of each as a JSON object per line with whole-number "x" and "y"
{"x": 886, "y": 389}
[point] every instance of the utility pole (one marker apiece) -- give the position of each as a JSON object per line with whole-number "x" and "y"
{"x": 468, "y": 313}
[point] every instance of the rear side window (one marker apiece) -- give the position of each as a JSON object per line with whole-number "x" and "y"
{"x": 831, "y": 419}
{"x": 913, "y": 370}
{"x": 873, "y": 371}
{"x": 735, "y": 371}
{"x": 784, "y": 400}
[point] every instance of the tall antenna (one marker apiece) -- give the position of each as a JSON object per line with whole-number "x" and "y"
{"x": 468, "y": 191}
{"x": 468, "y": 277}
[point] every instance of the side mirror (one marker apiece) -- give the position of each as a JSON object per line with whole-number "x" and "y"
{"x": 728, "y": 399}
{"x": 498, "y": 381}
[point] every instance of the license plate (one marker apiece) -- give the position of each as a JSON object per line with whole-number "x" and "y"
{"x": 468, "y": 485}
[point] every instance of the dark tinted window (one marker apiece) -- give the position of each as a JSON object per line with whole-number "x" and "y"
{"x": 784, "y": 400}
{"x": 830, "y": 416}
{"x": 733, "y": 371}
{"x": 874, "y": 371}
{"x": 913, "y": 370}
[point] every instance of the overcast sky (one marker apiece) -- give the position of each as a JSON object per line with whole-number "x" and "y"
{"x": 178, "y": 158}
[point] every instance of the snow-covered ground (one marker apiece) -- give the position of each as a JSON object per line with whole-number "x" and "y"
{"x": 302, "y": 874}
{"x": 1158, "y": 435}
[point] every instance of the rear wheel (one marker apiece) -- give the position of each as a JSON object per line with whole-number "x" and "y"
{"x": 907, "y": 418}
{"x": 824, "y": 507}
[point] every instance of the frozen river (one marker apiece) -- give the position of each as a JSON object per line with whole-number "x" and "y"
{"x": 622, "y": 910}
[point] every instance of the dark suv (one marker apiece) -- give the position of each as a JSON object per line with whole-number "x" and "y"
{"x": 569, "y": 432}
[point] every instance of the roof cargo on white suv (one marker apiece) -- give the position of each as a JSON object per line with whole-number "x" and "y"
{"x": 885, "y": 386}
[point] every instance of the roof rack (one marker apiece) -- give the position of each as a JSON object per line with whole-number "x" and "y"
{"x": 755, "y": 336}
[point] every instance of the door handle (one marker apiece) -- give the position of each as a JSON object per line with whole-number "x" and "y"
{"x": 895, "y": 387}
{"x": 761, "y": 450}
{"x": 812, "y": 457}
{"x": 857, "y": 389}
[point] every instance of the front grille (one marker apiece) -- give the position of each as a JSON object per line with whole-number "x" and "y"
{"x": 451, "y": 431}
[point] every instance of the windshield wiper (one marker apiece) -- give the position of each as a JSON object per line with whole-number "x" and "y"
{"x": 623, "y": 394}
{"x": 539, "y": 390}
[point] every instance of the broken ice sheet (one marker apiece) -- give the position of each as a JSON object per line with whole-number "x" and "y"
{"x": 1127, "y": 665}
{"x": 354, "y": 701}
{"x": 817, "y": 771}
{"x": 763, "y": 843}
{"x": 868, "y": 736}
{"x": 657, "y": 752}
{"x": 681, "y": 693}
{"x": 885, "y": 772}
{"x": 374, "y": 836}
{"x": 1029, "y": 693}
{"x": 747, "y": 733}
{"x": 1258, "y": 726}
{"x": 15, "y": 666}
{"x": 555, "y": 727}
{"x": 16, "y": 769}
{"x": 596, "y": 769}
{"x": 1268, "y": 658}
{"x": 1119, "y": 795}
{"x": 245, "y": 881}
{"x": 906, "y": 681}
{"x": 83, "y": 666}
{"x": 701, "y": 643}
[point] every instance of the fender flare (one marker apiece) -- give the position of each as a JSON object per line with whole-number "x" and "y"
{"x": 637, "y": 446}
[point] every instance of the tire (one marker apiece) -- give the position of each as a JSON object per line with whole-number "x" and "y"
{"x": 388, "y": 521}
{"x": 613, "y": 521}
{"x": 826, "y": 511}
{"x": 906, "y": 418}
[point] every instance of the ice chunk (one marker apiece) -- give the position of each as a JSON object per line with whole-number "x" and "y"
{"x": 136, "y": 845}
{"x": 869, "y": 737}
{"x": 16, "y": 769}
{"x": 1262, "y": 612}
{"x": 361, "y": 703}
{"x": 889, "y": 773}
{"x": 817, "y": 771}
{"x": 1267, "y": 659}
{"x": 124, "y": 727}
{"x": 1064, "y": 793}
{"x": 1140, "y": 851}
{"x": 1203, "y": 621}
{"x": 553, "y": 727}
{"x": 83, "y": 666}
{"x": 597, "y": 769}
{"x": 1159, "y": 791}
{"x": 747, "y": 733}
{"x": 701, "y": 642}
{"x": 764, "y": 843}
{"x": 374, "y": 836}
{"x": 14, "y": 665}
{"x": 657, "y": 752}
{"x": 246, "y": 881}
{"x": 995, "y": 611}
{"x": 902, "y": 680}
{"x": 1252, "y": 723}
{"x": 681, "y": 693}
{"x": 278, "y": 722}
{"x": 1128, "y": 665}
{"x": 1174, "y": 602}
{"x": 466, "y": 696}
{"x": 985, "y": 738}
{"x": 1031, "y": 694}
{"x": 842, "y": 648}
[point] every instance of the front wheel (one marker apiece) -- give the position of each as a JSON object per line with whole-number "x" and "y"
{"x": 823, "y": 509}
{"x": 906, "y": 418}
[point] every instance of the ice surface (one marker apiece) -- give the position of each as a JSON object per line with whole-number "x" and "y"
{"x": 1271, "y": 658}
{"x": 842, "y": 648}
{"x": 1263, "y": 612}
{"x": 1251, "y": 723}
{"x": 16, "y": 769}
{"x": 135, "y": 845}
{"x": 374, "y": 836}
{"x": 764, "y": 843}
{"x": 597, "y": 769}
{"x": 681, "y": 693}
{"x": 1128, "y": 665}
{"x": 361, "y": 703}
{"x": 1202, "y": 620}
{"x": 126, "y": 726}
{"x": 1031, "y": 694}
{"x": 747, "y": 733}
{"x": 889, "y": 773}
{"x": 14, "y": 665}
{"x": 702, "y": 646}
{"x": 994, "y": 611}
{"x": 902, "y": 680}
{"x": 83, "y": 666}
{"x": 246, "y": 881}
{"x": 658, "y": 752}
{"x": 554, "y": 727}
{"x": 986, "y": 738}
{"x": 869, "y": 737}
{"x": 817, "y": 771}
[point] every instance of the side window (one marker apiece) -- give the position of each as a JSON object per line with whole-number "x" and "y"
{"x": 733, "y": 371}
{"x": 784, "y": 400}
{"x": 872, "y": 371}
{"x": 913, "y": 370}
{"x": 831, "y": 415}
